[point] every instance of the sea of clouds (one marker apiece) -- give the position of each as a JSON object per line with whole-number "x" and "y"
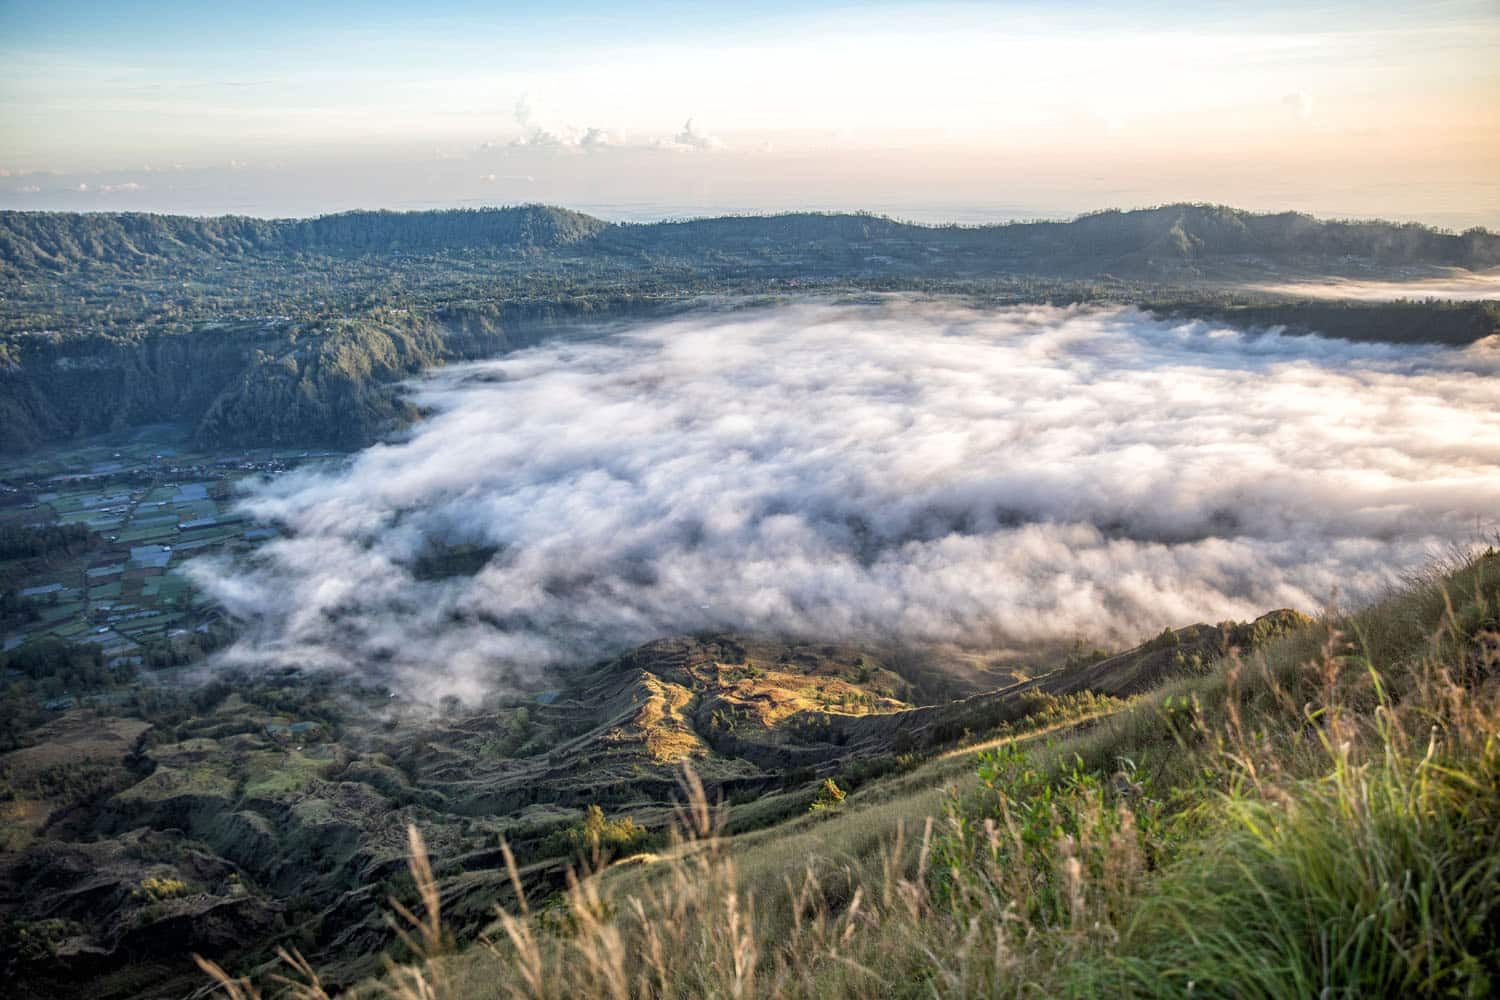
{"x": 908, "y": 470}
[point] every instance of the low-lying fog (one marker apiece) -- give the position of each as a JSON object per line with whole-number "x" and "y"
{"x": 1459, "y": 285}
{"x": 911, "y": 471}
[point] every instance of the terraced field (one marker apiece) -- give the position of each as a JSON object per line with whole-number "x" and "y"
{"x": 148, "y": 505}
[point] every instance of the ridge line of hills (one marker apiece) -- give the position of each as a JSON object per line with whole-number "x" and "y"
{"x": 258, "y": 333}
{"x": 41, "y": 242}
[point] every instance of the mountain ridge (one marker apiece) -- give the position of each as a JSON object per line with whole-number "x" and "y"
{"x": 38, "y": 242}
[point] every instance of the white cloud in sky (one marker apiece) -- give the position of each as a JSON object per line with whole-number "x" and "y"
{"x": 534, "y": 135}
{"x": 595, "y": 138}
{"x": 565, "y": 137}
{"x": 692, "y": 138}
{"x": 538, "y": 136}
{"x": 1300, "y": 104}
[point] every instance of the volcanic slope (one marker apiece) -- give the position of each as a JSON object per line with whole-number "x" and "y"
{"x": 273, "y": 811}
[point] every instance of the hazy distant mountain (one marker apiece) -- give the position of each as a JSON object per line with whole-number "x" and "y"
{"x": 1128, "y": 242}
{"x": 59, "y": 240}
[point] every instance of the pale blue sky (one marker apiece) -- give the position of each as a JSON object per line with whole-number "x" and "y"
{"x": 933, "y": 109}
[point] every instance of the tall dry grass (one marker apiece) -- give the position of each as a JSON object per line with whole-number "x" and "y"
{"x": 1321, "y": 820}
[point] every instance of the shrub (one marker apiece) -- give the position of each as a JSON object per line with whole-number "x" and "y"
{"x": 155, "y": 890}
{"x": 599, "y": 838}
{"x": 830, "y": 796}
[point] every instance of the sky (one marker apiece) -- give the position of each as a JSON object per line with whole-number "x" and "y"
{"x": 934, "y": 111}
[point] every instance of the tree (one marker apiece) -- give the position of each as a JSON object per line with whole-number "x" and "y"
{"x": 830, "y": 796}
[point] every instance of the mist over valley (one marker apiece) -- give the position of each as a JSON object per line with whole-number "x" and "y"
{"x": 913, "y": 471}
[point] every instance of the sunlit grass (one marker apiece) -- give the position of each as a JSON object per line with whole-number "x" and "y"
{"x": 1321, "y": 819}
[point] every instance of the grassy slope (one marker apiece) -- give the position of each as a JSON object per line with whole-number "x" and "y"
{"x": 1321, "y": 819}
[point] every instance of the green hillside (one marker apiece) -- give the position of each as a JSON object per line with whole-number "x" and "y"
{"x": 55, "y": 241}
{"x": 1114, "y": 240}
{"x": 1316, "y": 818}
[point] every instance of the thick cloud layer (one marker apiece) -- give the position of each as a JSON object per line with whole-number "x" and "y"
{"x": 908, "y": 471}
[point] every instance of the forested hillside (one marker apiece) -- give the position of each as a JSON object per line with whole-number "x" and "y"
{"x": 1112, "y": 240}
{"x": 37, "y": 242}
{"x": 264, "y": 382}
{"x": 1101, "y": 241}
